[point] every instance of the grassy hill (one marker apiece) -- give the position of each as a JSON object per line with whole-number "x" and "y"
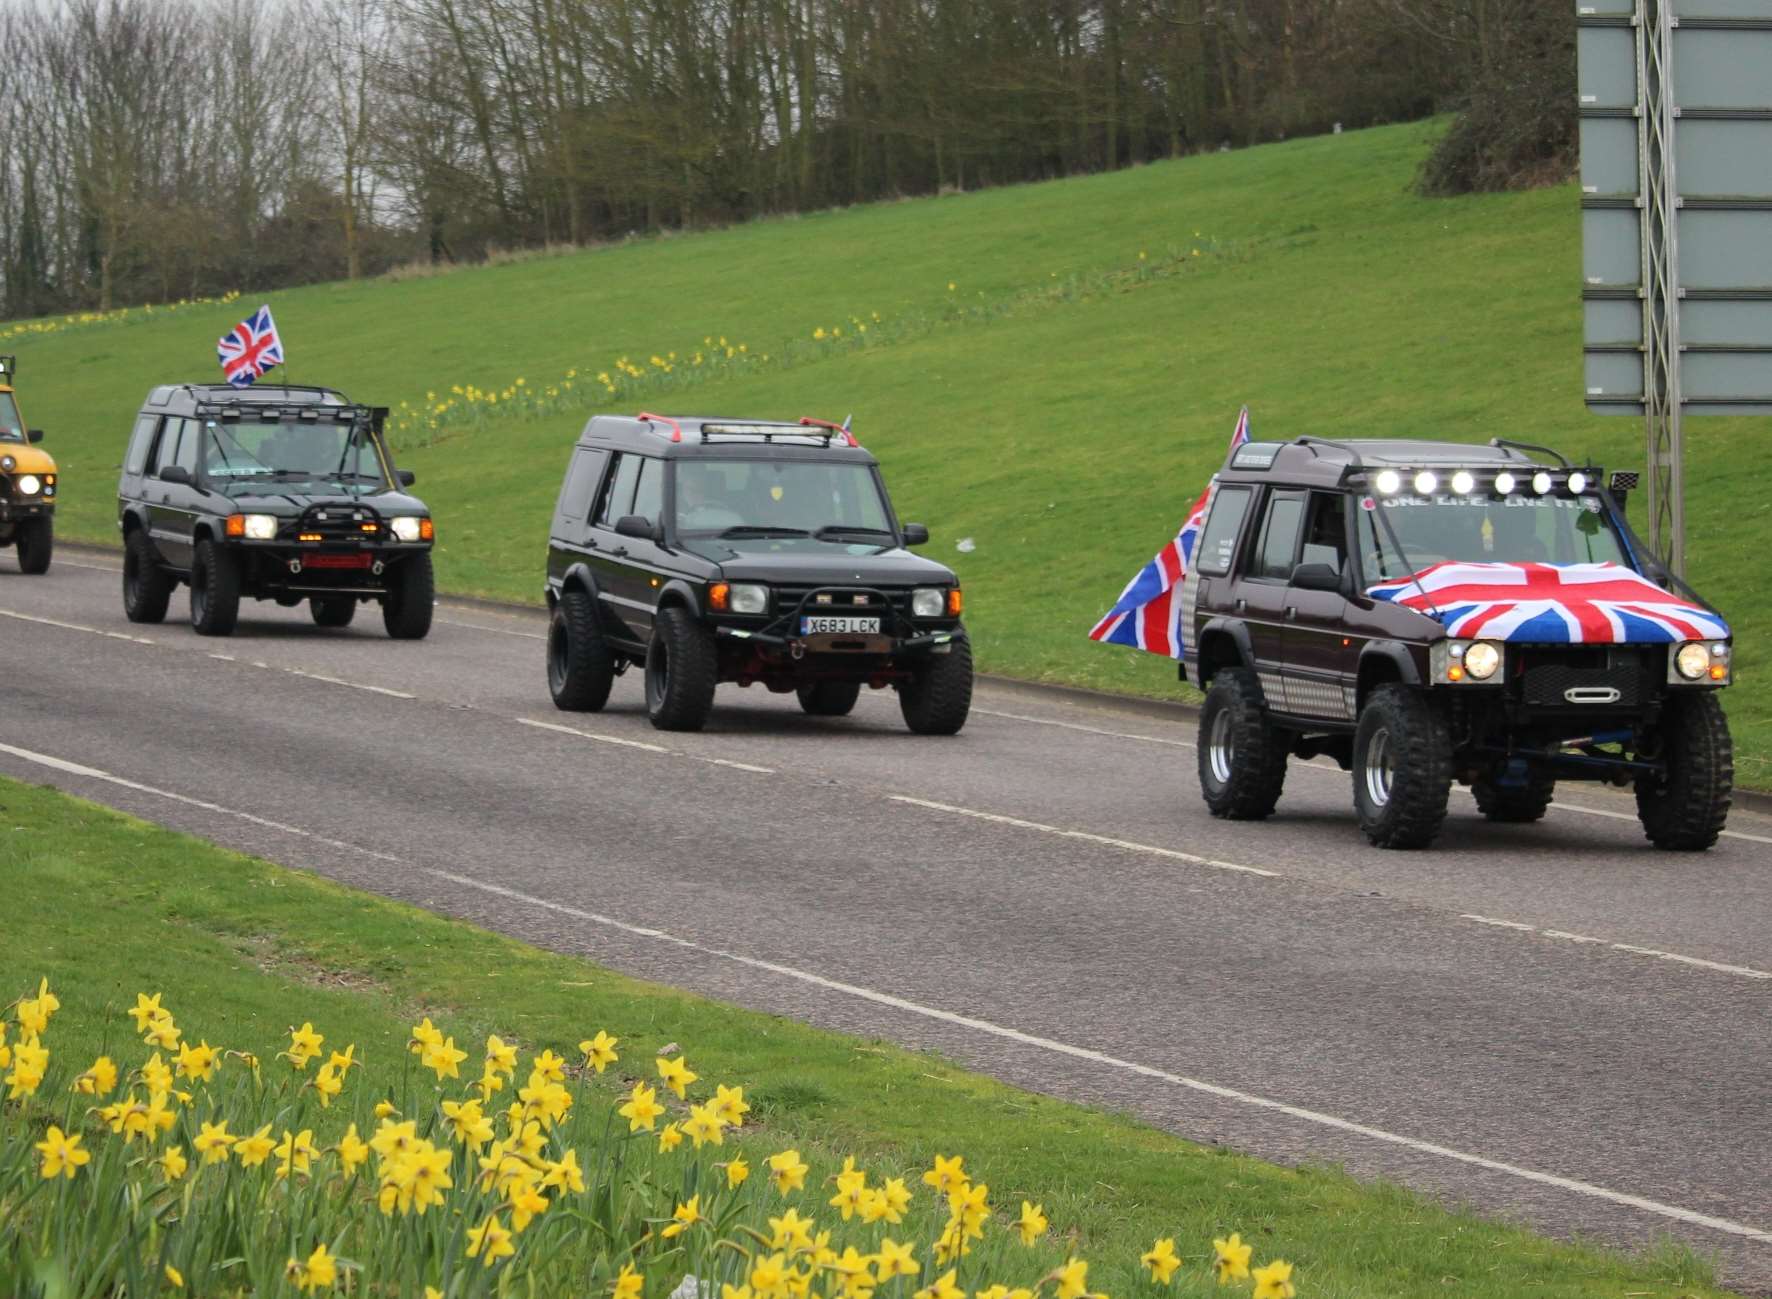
{"x": 1049, "y": 371}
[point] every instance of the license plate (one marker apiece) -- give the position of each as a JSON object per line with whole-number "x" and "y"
{"x": 814, "y": 626}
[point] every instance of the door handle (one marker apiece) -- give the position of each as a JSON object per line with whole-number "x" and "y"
{"x": 1291, "y": 612}
{"x": 620, "y": 552}
{"x": 1242, "y": 605}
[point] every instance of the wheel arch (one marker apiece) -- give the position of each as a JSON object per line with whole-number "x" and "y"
{"x": 1382, "y": 663}
{"x": 1224, "y": 643}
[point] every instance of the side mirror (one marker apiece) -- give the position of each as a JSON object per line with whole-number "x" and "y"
{"x": 35, "y": 435}
{"x": 635, "y": 525}
{"x": 177, "y": 474}
{"x": 915, "y": 534}
{"x": 407, "y": 477}
{"x": 1316, "y": 577}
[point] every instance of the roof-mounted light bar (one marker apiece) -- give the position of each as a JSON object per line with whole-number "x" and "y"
{"x": 8, "y": 366}
{"x": 1473, "y": 482}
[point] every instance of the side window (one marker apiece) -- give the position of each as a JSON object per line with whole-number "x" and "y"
{"x": 1216, "y": 550}
{"x": 1279, "y": 537}
{"x": 1325, "y": 539}
{"x": 649, "y": 491}
{"x": 574, "y": 505}
{"x": 190, "y": 437}
{"x": 618, "y": 493}
{"x": 140, "y": 442}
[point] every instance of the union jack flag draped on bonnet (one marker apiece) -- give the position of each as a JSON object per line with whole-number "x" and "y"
{"x": 1147, "y": 615}
{"x": 250, "y": 349}
{"x": 1584, "y": 604}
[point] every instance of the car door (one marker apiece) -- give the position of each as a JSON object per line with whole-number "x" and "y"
{"x": 135, "y": 460}
{"x": 172, "y": 507}
{"x": 1261, "y": 600}
{"x": 1321, "y": 660}
{"x": 569, "y": 536}
{"x": 621, "y": 585}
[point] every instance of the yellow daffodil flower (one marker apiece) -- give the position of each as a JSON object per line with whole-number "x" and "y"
{"x": 1073, "y": 1279}
{"x": 670, "y": 1138}
{"x": 683, "y": 1217}
{"x": 174, "y": 1277}
{"x": 894, "y": 1260}
{"x": 527, "y": 1202}
{"x": 629, "y": 1283}
{"x": 676, "y": 1075}
{"x": 1274, "y": 1281}
{"x": 788, "y": 1171}
{"x": 254, "y": 1150}
{"x": 791, "y": 1232}
{"x": 99, "y": 1080}
{"x": 490, "y": 1242}
{"x": 304, "y": 1045}
{"x": 703, "y": 1126}
{"x": 1032, "y": 1222}
{"x": 942, "y": 1288}
{"x": 736, "y": 1172}
{"x": 1231, "y": 1259}
{"x": 352, "y": 1150}
{"x": 1161, "y": 1259}
{"x": 62, "y": 1156}
{"x": 173, "y": 1163}
{"x": 642, "y": 1108}
{"x": 564, "y": 1174}
{"x": 599, "y": 1051}
{"x": 213, "y": 1142}
{"x": 946, "y": 1174}
{"x": 769, "y": 1276}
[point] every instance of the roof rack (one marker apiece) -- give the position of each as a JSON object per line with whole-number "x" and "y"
{"x": 272, "y": 412}
{"x": 650, "y": 418}
{"x": 1531, "y": 446}
{"x": 8, "y": 366}
{"x": 765, "y": 430}
{"x": 1312, "y": 443}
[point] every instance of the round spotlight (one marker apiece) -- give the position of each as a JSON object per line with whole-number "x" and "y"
{"x": 1541, "y": 482}
{"x": 1505, "y": 484}
{"x": 1425, "y": 483}
{"x": 1693, "y": 661}
{"x": 1577, "y": 483}
{"x": 1464, "y": 482}
{"x": 1388, "y": 482}
{"x": 1482, "y": 659}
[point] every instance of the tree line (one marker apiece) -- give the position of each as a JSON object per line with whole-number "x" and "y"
{"x": 153, "y": 151}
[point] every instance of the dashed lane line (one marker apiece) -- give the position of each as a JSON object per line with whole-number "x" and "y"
{"x": 74, "y": 626}
{"x": 1563, "y": 935}
{"x": 1572, "y": 1185}
{"x": 624, "y": 742}
{"x": 1127, "y": 845}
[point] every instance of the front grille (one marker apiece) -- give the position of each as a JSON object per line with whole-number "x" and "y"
{"x": 1549, "y": 673}
{"x": 335, "y": 523}
{"x": 843, "y": 599}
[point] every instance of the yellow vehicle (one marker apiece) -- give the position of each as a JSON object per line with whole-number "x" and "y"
{"x": 27, "y": 482}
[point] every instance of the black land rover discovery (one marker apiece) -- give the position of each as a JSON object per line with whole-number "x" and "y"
{"x": 274, "y": 493}
{"x": 717, "y": 550}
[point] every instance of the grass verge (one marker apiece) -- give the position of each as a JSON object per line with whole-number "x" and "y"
{"x": 107, "y": 907}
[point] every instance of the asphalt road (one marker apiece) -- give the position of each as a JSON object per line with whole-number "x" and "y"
{"x": 1554, "y": 1023}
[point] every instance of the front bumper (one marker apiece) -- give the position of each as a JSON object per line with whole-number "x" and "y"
{"x": 14, "y": 509}
{"x": 322, "y": 568}
{"x": 898, "y": 634}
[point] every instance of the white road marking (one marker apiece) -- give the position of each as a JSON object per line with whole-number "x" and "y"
{"x": 740, "y": 766}
{"x": 1719, "y": 967}
{"x": 1147, "y": 1071}
{"x": 337, "y": 681}
{"x": 592, "y": 735}
{"x": 1572, "y": 1185}
{"x": 97, "y": 568}
{"x": 93, "y": 773}
{"x": 498, "y": 631}
{"x": 1127, "y": 844}
{"x": 1087, "y": 730}
{"x": 75, "y": 626}
{"x": 1632, "y": 816}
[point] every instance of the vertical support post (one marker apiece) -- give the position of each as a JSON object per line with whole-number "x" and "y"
{"x": 1657, "y": 113}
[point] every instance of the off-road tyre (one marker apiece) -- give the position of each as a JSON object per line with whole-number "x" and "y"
{"x": 1685, "y": 810}
{"x": 1515, "y": 804}
{"x": 1402, "y": 767}
{"x": 828, "y": 698}
{"x": 581, "y": 668}
{"x": 682, "y": 669}
{"x": 1242, "y": 755}
{"x": 147, "y": 587}
{"x": 215, "y": 590}
{"x": 332, "y": 610}
{"x": 412, "y": 590}
{"x": 938, "y": 697}
{"x": 36, "y": 543}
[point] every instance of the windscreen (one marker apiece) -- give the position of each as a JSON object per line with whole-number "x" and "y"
{"x": 781, "y": 498}
{"x": 11, "y": 428}
{"x": 1517, "y": 529}
{"x": 303, "y": 455}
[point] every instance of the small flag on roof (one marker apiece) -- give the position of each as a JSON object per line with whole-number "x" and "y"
{"x": 1147, "y": 615}
{"x": 250, "y": 349}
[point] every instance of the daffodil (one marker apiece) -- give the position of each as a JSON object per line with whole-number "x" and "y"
{"x": 676, "y": 1075}
{"x": 318, "y": 1269}
{"x": 352, "y": 1150}
{"x": 629, "y": 1283}
{"x": 791, "y": 1232}
{"x": 162, "y": 1032}
{"x": 62, "y": 1156}
{"x": 599, "y": 1051}
{"x": 490, "y": 1242}
{"x": 769, "y": 1276}
{"x": 443, "y": 1058}
{"x": 564, "y": 1173}
{"x": 946, "y": 1174}
{"x": 1161, "y": 1259}
{"x": 942, "y": 1288}
{"x": 295, "y": 1153}
{"x": 670, "y": 1138}
{"x": 642, "y": 1108}
{"x": 468, "y": 1124}
{"x": 213, "y": 1142}
{"x": 1231, "y": 1259}
{"x": 703, "y": 1126}
{"x": 894, "y": 1260}
{"x": 173, "y": 1163}
{"x": 736, "y": 1172}
{"x": 729, "y": 1103}
{"x": 304, "y": 1045}
{"x": 527, "y": 1202}
{"x": 1274, "y": 1281}
{"x": 788, "y": 1171}
{"x": 156, "y": 1074}
{"x": 683, "y": 1217}
{"x": 854, "y": 1280}
{"x": 1032, "y": 1223}
{"x": 852, "y": 1185}
{"x": 1073, "y": 1279}
{"x": 254, "y": 1150}
{"x": 30, "y": 1058}
{"x": 198, "y": 1061}
{"x": 327, "y": 1084}
{"x": 424, "y": 1033}
{"x": 99, "y": 1080}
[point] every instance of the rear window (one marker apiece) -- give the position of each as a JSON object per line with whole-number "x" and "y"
{"x": 1217, "y": 549}
{"x": 11, "y": 429}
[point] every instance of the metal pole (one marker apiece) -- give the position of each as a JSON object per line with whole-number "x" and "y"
{"x": 1656, "y": 116}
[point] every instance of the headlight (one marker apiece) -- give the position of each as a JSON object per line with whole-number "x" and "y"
{"x": 260, "y": 527}
{"x": 29, "y": 484}
{"x": 405, "y": 527}
{"x": 1482, "y": 659}
{"x": 748, "y": 597}
{"x": 1693, "y": 661}
{"x": 928, "y": 602}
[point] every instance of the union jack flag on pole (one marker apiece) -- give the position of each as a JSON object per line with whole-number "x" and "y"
{"x": 250, "y": 349}
{"x": 1576, "y": 604}
{"x": 1147, "y": 615}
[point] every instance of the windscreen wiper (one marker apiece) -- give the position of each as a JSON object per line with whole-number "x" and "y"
{"x": 845, "y": 529}
{"x": 756, "y": 530}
